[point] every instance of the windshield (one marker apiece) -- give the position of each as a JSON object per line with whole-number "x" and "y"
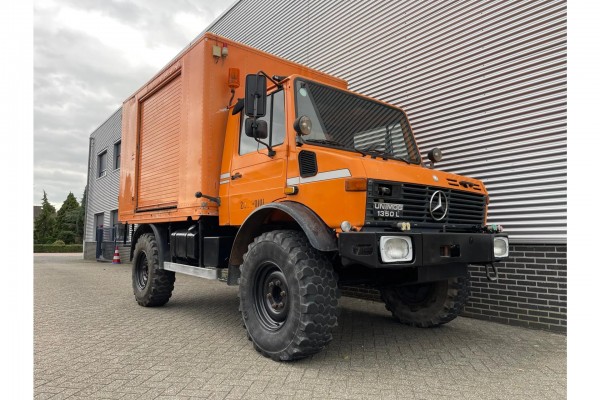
{"x": 344, "y": 120}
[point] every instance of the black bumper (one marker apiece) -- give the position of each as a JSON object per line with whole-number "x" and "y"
{"x": 429, "y": 249}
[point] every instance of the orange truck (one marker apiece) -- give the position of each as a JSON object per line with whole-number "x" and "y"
{"x": 296, "y": 188}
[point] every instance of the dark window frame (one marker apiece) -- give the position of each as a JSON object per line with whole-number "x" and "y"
{"x": 98, "y": 223}
{"x": 418, "y": 158}
{"x": 117, "y": 156}
{"x": 102, "y": 172}
{"x": 117, "y": 228}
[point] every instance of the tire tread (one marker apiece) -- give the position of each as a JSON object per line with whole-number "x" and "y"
{"x": 318, "y": 290}
{"x": 161, "y": 282}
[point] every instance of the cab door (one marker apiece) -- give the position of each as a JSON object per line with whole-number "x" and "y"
{"x": 256, "y": 178}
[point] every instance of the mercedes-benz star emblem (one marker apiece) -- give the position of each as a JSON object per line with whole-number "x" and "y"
{"x": 438, "y": 205}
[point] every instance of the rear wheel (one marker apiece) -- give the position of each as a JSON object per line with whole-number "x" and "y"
{"x": 152, "y": 287}
{"x": 288, "y": 296}
{"x": 426, "y": 305}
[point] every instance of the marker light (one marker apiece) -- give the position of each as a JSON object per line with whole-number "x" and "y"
{"x": 346, "y": 226}
{"x": 233, "y": 79}
{"x": 356, "y": 185}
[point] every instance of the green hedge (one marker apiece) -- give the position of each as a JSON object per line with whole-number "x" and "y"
{"x": 51, "y": 248}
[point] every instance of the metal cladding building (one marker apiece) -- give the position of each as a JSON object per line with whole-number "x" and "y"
{"x": 101, "y": 222}
{"x": 485, "y": 82}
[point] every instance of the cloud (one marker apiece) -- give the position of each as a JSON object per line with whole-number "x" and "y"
{"x": 88, "y": 57}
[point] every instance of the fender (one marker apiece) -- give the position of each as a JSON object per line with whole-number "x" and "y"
{"x": 320, "y": 236}
{"x": 161, "y": 235}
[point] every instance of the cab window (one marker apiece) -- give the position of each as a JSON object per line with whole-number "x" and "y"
{"x": 275, "y": 117}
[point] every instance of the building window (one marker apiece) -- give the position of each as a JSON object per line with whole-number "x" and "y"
{"x": 102, "y": 164}
{"x": 98, "y": 225}
{"x": 117, "y": 229}
{"x": 117, "y": 155}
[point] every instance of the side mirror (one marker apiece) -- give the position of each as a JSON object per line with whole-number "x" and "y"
{"x": 255, "y": 100}
{"x": 256, "y": 128}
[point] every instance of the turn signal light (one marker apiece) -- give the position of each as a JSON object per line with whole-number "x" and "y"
{"x": 291, "y": 190}
{"x": 356, "y": 185}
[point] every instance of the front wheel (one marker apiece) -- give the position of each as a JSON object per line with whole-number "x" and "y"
{"x": 288, "y": 296}
{"x": 426, "y": 305}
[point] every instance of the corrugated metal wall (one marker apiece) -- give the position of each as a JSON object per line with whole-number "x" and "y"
{"x": 483, "y": 80}
{"x": 103, "y": 192}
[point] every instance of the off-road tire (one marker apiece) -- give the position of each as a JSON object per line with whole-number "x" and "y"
{"x": 284, "y": 261}
{"x": 152, "y": 287}
{"x": 428, "y": 304}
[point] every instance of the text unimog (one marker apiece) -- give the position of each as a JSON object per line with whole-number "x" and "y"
{"x": 290, "y": 192}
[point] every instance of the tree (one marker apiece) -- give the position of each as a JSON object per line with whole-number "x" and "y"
{"x": 45, "y": 224}
{"x": 67, "y": 220}
{"x": 81, "y": 216}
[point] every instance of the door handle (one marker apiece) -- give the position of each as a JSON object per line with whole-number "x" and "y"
{"x": 235, "y": 176}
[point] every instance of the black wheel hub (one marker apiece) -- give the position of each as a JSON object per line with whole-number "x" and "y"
{"x": 141, "y": 271}
{"x": 271, "y": 296}
{"x": 417, "y": 296}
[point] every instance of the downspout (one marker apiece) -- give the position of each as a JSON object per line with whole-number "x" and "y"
{"x": 87, "y": 197}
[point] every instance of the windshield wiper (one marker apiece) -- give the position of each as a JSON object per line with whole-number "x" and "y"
{"x": 325, "y": 141}
{"x": 374, "y": 152}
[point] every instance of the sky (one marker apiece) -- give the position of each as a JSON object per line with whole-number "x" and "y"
{"x": 88, "y": 57}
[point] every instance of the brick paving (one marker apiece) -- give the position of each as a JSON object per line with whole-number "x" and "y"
{"x": 92, "y": 341}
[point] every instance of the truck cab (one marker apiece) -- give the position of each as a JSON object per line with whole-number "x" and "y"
{"x": 354, "y": 162}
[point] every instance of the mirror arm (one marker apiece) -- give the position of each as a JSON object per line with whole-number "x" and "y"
{"x": 278, "y": 84}
{"x": 271, "y": 152}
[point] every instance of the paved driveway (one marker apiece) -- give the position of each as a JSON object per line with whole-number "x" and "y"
{"x": 93, "y": 341}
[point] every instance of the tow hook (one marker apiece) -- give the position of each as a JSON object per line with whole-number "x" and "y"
{"x": 491, "y": 277}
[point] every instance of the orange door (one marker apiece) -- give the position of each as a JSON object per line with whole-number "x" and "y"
{"x": 256, "y": 178}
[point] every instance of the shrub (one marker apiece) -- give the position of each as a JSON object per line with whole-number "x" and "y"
{"x": 59, "y": 243}
{"x": 50, "y": 248}
{"x": 67, "y": 237}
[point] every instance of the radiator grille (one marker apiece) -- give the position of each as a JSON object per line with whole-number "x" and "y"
{"x": 463, "y": 207}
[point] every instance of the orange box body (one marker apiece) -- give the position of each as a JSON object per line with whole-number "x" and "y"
{"x": 174, "y": 130}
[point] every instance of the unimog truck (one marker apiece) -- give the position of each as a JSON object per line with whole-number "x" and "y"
{"x": 243, "y": 167}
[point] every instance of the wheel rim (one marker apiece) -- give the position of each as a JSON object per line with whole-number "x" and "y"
{"x": 141, "y": 271}
{"x": 271, "y": 296}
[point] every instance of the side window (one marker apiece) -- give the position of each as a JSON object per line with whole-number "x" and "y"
{"x": 275, "y": 117}
{"x": 277, "y": 124}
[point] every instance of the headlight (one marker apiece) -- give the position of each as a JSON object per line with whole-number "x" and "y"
{"x": 303, "y": 125}
{"x": 395, "y": 248}
{"x": 500, "y": 247}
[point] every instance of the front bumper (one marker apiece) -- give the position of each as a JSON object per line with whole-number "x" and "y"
{"x": 429, "y": 249}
